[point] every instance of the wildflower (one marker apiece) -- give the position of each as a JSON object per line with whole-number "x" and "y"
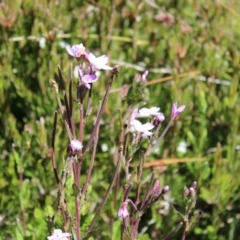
{"x": 98, "y": 63}
{"x": 182, "y": 147}
{"x": 176, "y": 111}
{"x": 142, "y": 128}
{"x": 87, "y": 78}
{"x": 75, "y": 146}
{"x": 59, "y": 235}
{"x": 76, "y": 50}
{"x": 133, "y": 115}
{"x": 123, "y": 212}
{"x": 144, "y": 76}
{"x": 147, "y": 112}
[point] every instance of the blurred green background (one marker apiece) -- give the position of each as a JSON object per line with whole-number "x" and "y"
{"x": 191, "y": 49}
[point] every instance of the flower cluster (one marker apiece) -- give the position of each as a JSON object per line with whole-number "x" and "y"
{"x": 88, "y": 75}
{"x": 144, "y": 129}
{"x": 156, "y": 116}
{"x": 153, "y": 196}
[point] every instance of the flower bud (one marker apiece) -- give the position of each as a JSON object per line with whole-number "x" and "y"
{"x": 165, "y": 189}
{"x": 192, "y": 191}
{"x": 194, "y": 185}
{"x": 156, "y": 189}
{"x": 158, "y": 119}
{"x": 186, "y": 191}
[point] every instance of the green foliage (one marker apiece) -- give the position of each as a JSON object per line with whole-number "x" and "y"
{"x": 199, "y": 51}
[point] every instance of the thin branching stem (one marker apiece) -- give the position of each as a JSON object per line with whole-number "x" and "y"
{"x": 54, "y": 165}
{"x": 89, "y": 143}
{"x": 157, "y": 142}
{"x": 62, "y": 84}
{"x": 169, "y": 236}
{"x": 85, "y": 186}
{"x": 147, "y": 191}
{"x": 120, "y": 159}
{"x": 139, "y": 176}
{"x": 71, "y": 102}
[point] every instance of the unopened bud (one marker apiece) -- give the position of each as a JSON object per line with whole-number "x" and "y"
{"x": 186, "y": 191}
{"x": 156, "y": 189}
{"x": 165, "y": 189}
{"x": 192, "y": 191}
{"x": 194, "y": 185}
{"x": 158, "y": 119}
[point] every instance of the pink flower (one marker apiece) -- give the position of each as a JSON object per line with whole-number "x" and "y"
{"x": 98, "y": 63}
{"x": 133, "y": 115}
{"x": 87, "y": 78}
{"x": 158, "y": 119}
{"x": 123, "y": 212}
{"x": 59, "y": 235}
{"x": 75, "y": 146}
{"x": 141, "y": 78}
{"x": 176, "y": 111}
{"x": 142, "y": 128}
{"x": 76, "y": 50}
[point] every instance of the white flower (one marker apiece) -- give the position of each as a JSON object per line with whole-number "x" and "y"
{"x": 59, "y": 235}
{"x": 98, "y": 63}
{"x": 147, "y": 112}
{"x": 182, "y": 147}
{"x": 144, "y": 76}
{"x": 142, "y": 128}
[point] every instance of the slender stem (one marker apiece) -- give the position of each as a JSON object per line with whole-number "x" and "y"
{"x": 71, "y": 102}
{"x": 65, "y": 98}
{"x": 89, "y": 143}
{"x": 53, "y": 148}
{"x": 152, "y": 148}
{"x": 125, "y": 198}
{"x": 139, "y": 176}
{"x": 65, "y": 122}
{"x": 78, "y": 174}
{"x": 89, "y": 101}
{"x": 78, "y": 232}
{"x": 85, "y": 186}
{"x": 132, "y": 203}
{"x": 120, "y": 159}
{"x": 185, "y": 230}
{"x": 169, "y": 236}
{"x": 147, "y": 191}
{"x": 54, "y": 165}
